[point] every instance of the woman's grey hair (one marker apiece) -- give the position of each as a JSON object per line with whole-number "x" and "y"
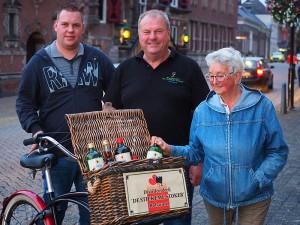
{"x": 155, "y": 12}
{"x": 228, "y": 56}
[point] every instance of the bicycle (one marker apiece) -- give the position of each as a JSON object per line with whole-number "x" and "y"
{"x": 27, "y": 207}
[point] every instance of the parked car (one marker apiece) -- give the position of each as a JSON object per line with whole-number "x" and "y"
{"x": 277, "y": 57}
{"x": 257, "y": 73}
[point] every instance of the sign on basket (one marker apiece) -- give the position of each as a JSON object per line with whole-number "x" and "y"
{"x": 155, "y": 191}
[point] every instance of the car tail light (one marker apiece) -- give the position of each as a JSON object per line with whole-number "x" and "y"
{"x": 259, "y": 72}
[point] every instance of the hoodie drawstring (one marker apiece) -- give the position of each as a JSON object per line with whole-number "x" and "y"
{"x": 237, "y": 216}
{"x": 224, "y": 216}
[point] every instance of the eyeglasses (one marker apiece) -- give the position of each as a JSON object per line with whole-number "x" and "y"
{"x": 219, "y": 78}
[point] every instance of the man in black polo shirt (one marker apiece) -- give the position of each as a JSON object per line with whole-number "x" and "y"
{"x": 166, "y": 85}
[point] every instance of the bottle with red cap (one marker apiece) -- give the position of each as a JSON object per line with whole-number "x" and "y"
{"x": 122, "y": 152}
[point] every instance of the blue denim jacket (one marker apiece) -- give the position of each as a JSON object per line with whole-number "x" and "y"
{"x": 242, "y": 151}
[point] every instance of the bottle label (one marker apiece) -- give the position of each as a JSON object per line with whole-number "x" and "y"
{"x": 123, "y": 157}
{"x": 95, "y": 164}
{"x": 153, "y": 155}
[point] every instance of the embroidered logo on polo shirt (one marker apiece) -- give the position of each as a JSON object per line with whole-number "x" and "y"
{"x": 173, "y": 79}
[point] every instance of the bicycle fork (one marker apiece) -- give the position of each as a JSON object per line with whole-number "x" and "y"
{"x": 50, "y": 191}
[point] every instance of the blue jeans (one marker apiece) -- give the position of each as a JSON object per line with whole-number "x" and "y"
{"x": 64, "y": 174}
{"x": 187, "y": 218}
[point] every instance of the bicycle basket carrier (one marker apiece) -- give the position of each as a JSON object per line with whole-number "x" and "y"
{"x": 106, "y": 187}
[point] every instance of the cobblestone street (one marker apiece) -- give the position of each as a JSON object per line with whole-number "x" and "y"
{"x": 285, "y": 207}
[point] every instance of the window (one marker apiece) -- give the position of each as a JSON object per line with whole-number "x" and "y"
{"x": 204, "y": 4}
{"x": 102, "y": 11}
{"x": 204, "y": 37}
{"x": 194, "y": 2}
{"x": 11, "y": 24}
{"x": 194, "y": 34}
{"x": 223, "y": 6}
{"x": 214, "y": 5}
{"x": 174, "y": 35}
{"x": 174, "y": 3}
{"x": 231, "y": 7}
{"x": 143, "y": 6}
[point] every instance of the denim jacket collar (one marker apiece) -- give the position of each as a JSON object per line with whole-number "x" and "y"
{"x": 248, "y": 98}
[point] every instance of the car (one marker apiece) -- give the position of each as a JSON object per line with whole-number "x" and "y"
{"x": 257, "y": 73}
{"x": 277, "y": 57}
{"x": 298, "y": 56}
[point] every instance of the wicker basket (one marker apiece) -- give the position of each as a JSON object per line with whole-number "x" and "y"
{"x": 107, "y": 197}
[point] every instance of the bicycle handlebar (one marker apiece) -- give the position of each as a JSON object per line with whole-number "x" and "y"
{"x": 34, "y": 140}
{"x": 40, "y": 138}
{"x": 29, "y": 141}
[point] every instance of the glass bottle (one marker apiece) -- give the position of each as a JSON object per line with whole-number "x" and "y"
{"x": 122, "y": 152}
{"x": 93, "y": 159}
{"x": 107, "y": 154}
{"x": 154, "y": 152}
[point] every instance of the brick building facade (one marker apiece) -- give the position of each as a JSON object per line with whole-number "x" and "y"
{"x": 28, "y": 26}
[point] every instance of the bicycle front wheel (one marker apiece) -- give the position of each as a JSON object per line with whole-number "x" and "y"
{"x": 22, "y": 209}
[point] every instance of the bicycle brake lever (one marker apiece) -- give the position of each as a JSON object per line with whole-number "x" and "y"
{"x": 32, "y": 173}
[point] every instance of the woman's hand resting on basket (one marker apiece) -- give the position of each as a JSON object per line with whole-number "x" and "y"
{"x": 165, "y": 147}
{"x": 195, "y": 172}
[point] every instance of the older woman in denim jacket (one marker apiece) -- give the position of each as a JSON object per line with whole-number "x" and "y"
{"x": 236, "y": 134}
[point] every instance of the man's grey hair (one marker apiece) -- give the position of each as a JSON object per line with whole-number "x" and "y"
{"x": 155, "y": 12}
{"x": 228, "y": 56}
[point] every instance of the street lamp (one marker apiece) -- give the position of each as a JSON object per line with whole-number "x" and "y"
{"x": 287, "y": 12}
{"x": 124, "y": 33}
{"x": 292, "y": 71}
{"x": 184, "y": 38}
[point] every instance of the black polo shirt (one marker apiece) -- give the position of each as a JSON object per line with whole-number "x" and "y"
{"x": 167, "y": 94}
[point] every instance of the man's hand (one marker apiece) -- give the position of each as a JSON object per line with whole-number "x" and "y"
{"x": 107, "y": 106}
{"x": 195, "y": 174}
{"x": 35, "y": 146}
